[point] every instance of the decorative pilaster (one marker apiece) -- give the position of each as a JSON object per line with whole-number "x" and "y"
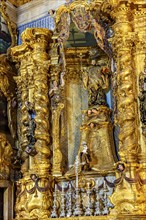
{"x": 33, "y": 124}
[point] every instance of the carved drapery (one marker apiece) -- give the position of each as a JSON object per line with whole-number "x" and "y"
{"x": 33, "y": 122}
{"x": 85, "y": 20}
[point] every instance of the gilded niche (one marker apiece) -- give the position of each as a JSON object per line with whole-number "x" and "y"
{"x": 96, "y": 146}
{"x": 96, "y": 129}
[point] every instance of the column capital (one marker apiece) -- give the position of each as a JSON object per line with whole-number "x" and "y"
{"x": 32, "y": 39}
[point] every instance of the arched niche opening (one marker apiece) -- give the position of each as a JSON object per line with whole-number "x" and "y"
{"x": 81, "y": 49}
{"x": 87, "y": 66}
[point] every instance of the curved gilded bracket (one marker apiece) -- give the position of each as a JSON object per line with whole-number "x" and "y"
{"x": 11, "y": 25}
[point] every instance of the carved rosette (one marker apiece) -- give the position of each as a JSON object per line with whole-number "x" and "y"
{"x": 32, "y": 83}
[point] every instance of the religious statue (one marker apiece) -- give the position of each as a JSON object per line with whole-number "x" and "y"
{"x": 96, "y": 150}
{"x": 96, "y": 129}
{"x": 96, "y": 80}
{"x": 85, "y": 158}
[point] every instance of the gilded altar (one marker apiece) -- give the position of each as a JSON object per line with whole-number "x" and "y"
{"x": 75, "y": 153}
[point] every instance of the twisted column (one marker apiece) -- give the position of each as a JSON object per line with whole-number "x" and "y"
{"x": 34, "y": 130}
{"x": 126, "y": 198}
{"x": 139, "y": 55}
{"x": 22, "y": 115}
{"x": 126, "y": 95}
